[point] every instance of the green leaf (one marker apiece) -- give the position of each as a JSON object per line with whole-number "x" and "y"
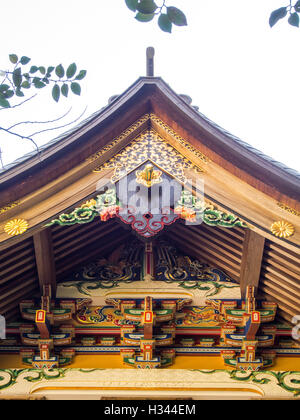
{"x": 8, "y": 94}
{"x": 60, "y": 71}
{"x": 19, "y": 92}
{"x": 75, "y": 88}
{"x": 56, "y": 92}
{"x": 3, "y": 87}
{"x": 141, "y": 17}
{"x": 4, "y": 102}
{"x": 17, "y": 77}
{"x": 65, "y": 90}
{"x": 33, "y": 69}
{"x": 71, "y": 70}
{"x": 24, "y": 60}
{"x": 164, "y": 23}
{"x": 131, "y": 4}
{"x": 276, "y": 15}
{"x": 13, "y": 58}
{"x": 80, "y": 75}
{"x": 25, "y": 84}
{"x": 146, "y": 7}
{"x": 50, "y": 69}
{"x": 37, "y": 82}
{"x": 42, "y": 69}
{"x": 297, "y": 6}
{"x": 294, "y": 19}
{"x": 176, "y": 16}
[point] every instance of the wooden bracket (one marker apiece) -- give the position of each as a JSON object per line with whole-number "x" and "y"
{"x": 44, "y": 257}
{"x": 253, "y": 249}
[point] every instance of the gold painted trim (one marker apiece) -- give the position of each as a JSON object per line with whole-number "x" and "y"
{"x": 145, "y": 388}
{"x": 180, "y": 139}
{"x": 161, "y": 154}
{"x": 118, "y": 139}
{"x": 9, "y": 207}
{"x": 150, "y": 117}
{"x": 161, "y": 292}
{"x": 289, "y": 209}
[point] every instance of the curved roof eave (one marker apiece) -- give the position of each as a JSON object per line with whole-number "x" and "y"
{"x": 227, "y": 140}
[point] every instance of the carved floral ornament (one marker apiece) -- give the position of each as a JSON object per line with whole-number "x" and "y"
{"x": 108, "y": 206}
{"x": 149, "y": 146}
{"x": 282, "y": 229}
{"x": 148, "y": 176}
{"x": 16, "y": 227}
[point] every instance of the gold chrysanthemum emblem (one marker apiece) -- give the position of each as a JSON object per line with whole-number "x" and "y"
{"x": 16, "y": 227}
{"x": 282, "y": 229}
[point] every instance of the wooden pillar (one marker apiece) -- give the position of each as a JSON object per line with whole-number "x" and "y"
{"x": 253, "y": 249}
{"x": 44, "y": 257}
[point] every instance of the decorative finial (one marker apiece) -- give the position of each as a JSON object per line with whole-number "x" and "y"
{"x": 150, "y": 61}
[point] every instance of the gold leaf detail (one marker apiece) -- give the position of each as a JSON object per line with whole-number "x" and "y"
{"x": 9, "y": 206}
{"x": 289, "y": 209}
{"x": 282, "y": 229}
{"x": 149, "y": 146}
{"x": 89, "y": 203}
{"x": 148, "y": 176}
{"x": 16, "y": 227}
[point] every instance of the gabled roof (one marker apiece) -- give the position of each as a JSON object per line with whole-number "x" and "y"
{"x": 151, "y": 94}
{"x": 238, "y": 178}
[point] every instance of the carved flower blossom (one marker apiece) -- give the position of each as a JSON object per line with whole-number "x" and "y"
{"x": 282, "y": 229}
{"x": 16, "y": 227}
{"x": 109, "y": 213}
{"x": 186, "y": 213}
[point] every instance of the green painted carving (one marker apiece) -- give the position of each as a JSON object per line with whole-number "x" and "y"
{"x": 84, "y": 287}
{"x": 211, "y": 286}
{"x": 189, "y": 273}
{"x": 105, "y": 205}
{"x": 288, "y": 380}
{"x": 11, "y": 376}
{"x": 107, "y": 274}
{"x": 193, "y": 209}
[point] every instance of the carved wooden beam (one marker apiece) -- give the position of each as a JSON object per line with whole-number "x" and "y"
{"x": 44, "y": 257}
{"x": 253, "y": 249}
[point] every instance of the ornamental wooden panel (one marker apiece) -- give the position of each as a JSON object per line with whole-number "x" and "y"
{"x": 219, "y": 247}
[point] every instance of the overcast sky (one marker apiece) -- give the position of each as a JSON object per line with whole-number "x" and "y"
{"x": 241, "y": 74}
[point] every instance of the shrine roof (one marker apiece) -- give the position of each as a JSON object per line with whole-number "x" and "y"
{"x": 236, "y": 144}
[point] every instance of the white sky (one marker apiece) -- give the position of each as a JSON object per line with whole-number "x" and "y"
{"x": 242, "y": 74}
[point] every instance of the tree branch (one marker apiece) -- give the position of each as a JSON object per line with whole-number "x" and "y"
{"x": 40, "y": 122}
{"x": 29, "y": 137}
{"x": 20, "y": 103}
{"x": 20, "y": 136}
{"x": 61, "y": 126}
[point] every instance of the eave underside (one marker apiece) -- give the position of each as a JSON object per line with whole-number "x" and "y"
{"x": 75, "y": 246}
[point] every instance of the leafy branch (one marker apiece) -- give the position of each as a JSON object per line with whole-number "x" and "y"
{"x": 20, "y": 79}
{"x": 168, "y": 16}
{"x": 292, "y": 11}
